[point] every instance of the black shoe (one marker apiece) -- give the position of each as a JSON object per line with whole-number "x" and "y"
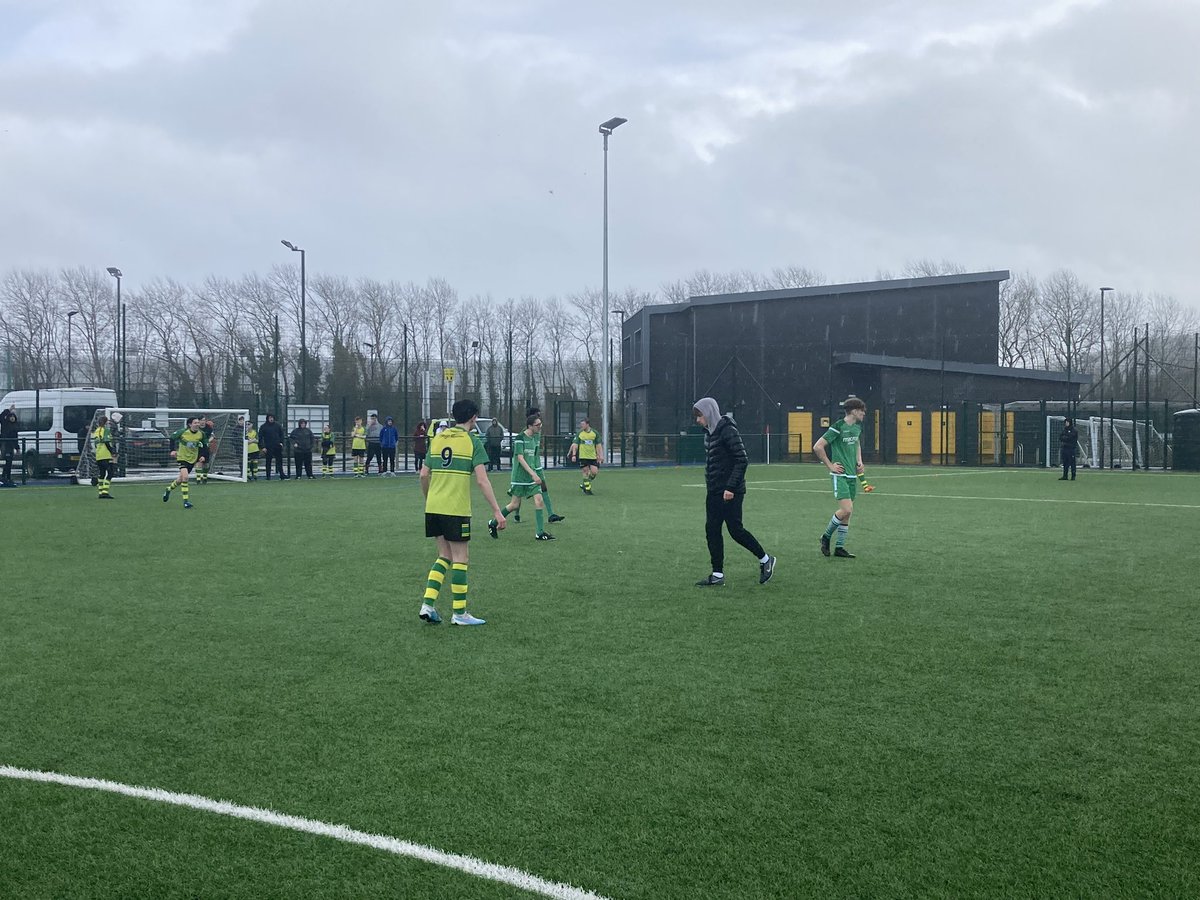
{"x": 711, "y": 581}
{"x": 1064, "y": 478}
{"x": 824, "y": 545}
{"x": 544, "y": 536}
{"x": 766, "y": 570}
{"x": 493, "y": 528}
{"x": 556, "y": 518}
{"x": 843, "y": 553}
{"x": 517, "y": 518}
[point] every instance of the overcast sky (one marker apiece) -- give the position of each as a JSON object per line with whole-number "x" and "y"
{"x": 459, "y": 139}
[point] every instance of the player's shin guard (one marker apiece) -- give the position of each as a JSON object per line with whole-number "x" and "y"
{"x": 458, "y": 587}
{"x": 437, "y": 575}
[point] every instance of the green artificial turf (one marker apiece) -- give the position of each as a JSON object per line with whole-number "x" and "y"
{"x": 998, "y": 697}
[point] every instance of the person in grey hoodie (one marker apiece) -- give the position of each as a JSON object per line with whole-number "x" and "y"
{"x": 374, "y": 445}
{"x": 725, "y": 480}
{"x": 303, "y": 441}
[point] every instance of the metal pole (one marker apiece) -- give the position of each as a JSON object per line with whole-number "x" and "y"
{"x": 303, "y": 333}
{"x": 117, "y": 345}
{"x": 508, "y": 384}
{"x": 1070, "y": 414}
{"x": 125, "y": 357}
{"x": 604, "y": 343}
{"x": 275, "y": 408}
{"x": 1195, "y": 366}
{"x": 1103, "y": 291}
{"x": 1137, "y": 342}
{"x": 70, "y": 379}
{"x": 406, "y": 431}
{"x": 1147, "y": 380}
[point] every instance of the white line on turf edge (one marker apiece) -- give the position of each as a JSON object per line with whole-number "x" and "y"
{"x": 879, "y": 495}
{"x": 467, "y": 864}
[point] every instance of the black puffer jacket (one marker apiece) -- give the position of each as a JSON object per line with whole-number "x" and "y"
{"x": 725, "y": 468}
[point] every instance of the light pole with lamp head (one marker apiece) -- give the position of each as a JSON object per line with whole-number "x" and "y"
{"x": 607, "y": 128}
{"x": 117, "y": 341}
{"x": 1103, "y": 291}
{"x": 70, "y": 315}
{"x": 303, "y": 324}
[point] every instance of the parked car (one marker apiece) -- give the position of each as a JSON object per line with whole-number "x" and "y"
{"x": 483, "y": 423}
{"x": 147, "y": 447}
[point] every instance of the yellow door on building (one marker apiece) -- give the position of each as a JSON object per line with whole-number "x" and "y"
{"x": 800, "y": 433}
{"x": 908, "y": 435}
{"x": 941, "y": 436}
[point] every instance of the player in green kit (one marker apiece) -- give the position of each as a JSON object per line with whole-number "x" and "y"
{"x": 455, "y": 453}
{"x": 840, "y": 449}
{"x": 541, "y": 472}
{"x": 526, "y": 480}
{"x": 586, "y": 447}
{"x": 186, "y": 444}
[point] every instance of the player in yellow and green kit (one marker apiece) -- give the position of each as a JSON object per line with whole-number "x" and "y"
{"x": 253, "y": 451}
{"x": 586, "y": 447}
{"x": 106, "y": 456}
{"x": 455, "y": 453}
{"x": 328, "y": 452}
{"x": 186, "y": 444}
{"x": 358, "y": 447}
{"x": 207, "y": 450}
{"x": 840, "y": 449}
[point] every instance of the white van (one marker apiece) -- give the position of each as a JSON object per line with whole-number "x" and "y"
{"x": 53, "y": 424}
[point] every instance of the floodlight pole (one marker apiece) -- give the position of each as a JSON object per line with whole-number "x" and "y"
{"x": 303, "y": 324}
{"x": 1103, "y": 291}
{"x": 70, "y": 315}
{"x": 606, "y": 128}
{"x": 117, "y": 338}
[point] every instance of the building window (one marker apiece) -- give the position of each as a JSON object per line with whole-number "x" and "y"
{"x": 636, "y": 356}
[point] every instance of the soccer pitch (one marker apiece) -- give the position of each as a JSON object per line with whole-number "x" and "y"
{"x": 998, "y": 697}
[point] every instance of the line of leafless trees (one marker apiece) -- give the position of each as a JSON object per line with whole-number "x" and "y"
{"x": 238, "y": 340}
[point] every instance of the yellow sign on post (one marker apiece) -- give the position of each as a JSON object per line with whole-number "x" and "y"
{"x": 448, "y": 373}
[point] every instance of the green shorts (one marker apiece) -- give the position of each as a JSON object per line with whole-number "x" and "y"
{"x": 845, "y": 487}
{"x": 524, "y": 490}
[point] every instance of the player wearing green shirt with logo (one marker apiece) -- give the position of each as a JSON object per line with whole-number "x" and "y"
{"x": 840, "y": 449}
{"x": 586, "y": 447}
{"x": 186, "y": 444}
{"x": 455, "y": 454}
{"x": 526, "y": 480}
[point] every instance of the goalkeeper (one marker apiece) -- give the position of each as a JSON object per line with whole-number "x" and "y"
{"x": 185, "y": 449}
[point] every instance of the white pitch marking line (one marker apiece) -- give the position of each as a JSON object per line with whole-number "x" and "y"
{"x": 468, "y": 864}
{"x": 989, "y": 499}
{"x": 888, "y": 476}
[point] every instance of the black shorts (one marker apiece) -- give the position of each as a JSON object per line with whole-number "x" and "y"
{"x": 358, "y": 452}
{"x": 585, "y": 463}
{"x": 452, "y": 528}
{"x": 185, "y": 465}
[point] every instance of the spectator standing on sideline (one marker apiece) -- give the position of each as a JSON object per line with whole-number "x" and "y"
{"x": 493, "y": 441}
{"x": 303, "y": 441}
{"x": 447, "y": 489}
{"x": 840, "y": 449}
{"x": 418, "y": 449}
{"x": 725, "y": 479}
{"x": 389, "y": 438}
{"x": 270, "y": 436}
{"x": 1068, "y": 445}
{"x": 10, "y": 434}
{"x": 374, "y": 445}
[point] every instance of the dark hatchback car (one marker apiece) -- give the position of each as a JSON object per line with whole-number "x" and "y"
{"x": 147, "y": 447}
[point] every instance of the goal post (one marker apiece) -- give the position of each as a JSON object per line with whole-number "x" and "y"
{"x": 1123, "y": 442}
{"x": 143, "y": 441}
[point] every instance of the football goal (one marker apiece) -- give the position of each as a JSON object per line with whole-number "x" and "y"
{"x": 1123, "y": 442}
{"x": 143, "y": 439}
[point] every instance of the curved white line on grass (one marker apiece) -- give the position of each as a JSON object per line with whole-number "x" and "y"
{"x": 468, "y": 864}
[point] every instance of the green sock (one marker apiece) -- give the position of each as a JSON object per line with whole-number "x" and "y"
{"x": 538, "y": 515}
{"x": 832, "y": 527}
{"x": 437, "y": 575}
{"x": 546, "y": 500}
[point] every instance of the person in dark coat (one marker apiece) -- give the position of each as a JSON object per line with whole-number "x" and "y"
{"x": 725, "y": 480}
{"x": 303, "y": 441}
{"x": 270, "y": 438}
{"x": 1068, "y": 445}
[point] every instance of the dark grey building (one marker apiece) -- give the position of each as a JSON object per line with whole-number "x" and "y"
{"x": 914, "y": 349}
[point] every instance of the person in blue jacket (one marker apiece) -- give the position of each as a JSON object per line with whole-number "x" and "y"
{"x": 389, "y": 437}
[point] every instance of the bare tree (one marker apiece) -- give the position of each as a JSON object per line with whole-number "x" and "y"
{"x": 1018, "y": 306}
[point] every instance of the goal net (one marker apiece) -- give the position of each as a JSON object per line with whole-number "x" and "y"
{"x": 1123, "y": 442}
{"x": 143, "y": 441}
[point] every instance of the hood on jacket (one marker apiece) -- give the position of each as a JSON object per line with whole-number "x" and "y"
{"x": 708, "y": 408}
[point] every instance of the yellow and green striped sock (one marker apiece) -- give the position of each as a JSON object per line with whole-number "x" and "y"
{"x": 458, "y": 587}
{"x": 437, "y": 575}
